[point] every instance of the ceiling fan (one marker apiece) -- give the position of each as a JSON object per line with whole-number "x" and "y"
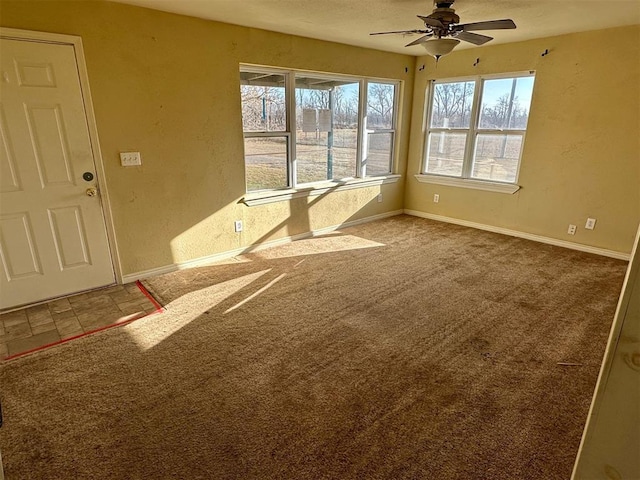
{"x": 443, "y": 22}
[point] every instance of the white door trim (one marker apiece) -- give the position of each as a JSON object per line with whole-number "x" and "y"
{"x": 76, "y": 42}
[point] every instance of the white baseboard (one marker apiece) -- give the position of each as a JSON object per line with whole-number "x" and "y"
{"x": 216, "y": 257}
{"x": 527, "y": 236}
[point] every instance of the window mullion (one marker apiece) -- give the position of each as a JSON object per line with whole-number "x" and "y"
{"x": 446, "y": 130}
{"x": 493, "y": 131}
{"x": 275, "y": 133}
{"x": 381, "y": 130}
{"x": 290, "y": 98}
{"x": 467, "y": 164}
{"x": 362, "y": 141}
{"x": 427, "y": 127}
{"x": 394, "y": 125}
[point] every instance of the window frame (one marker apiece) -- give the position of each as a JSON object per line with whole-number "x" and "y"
{"x": 359, "y": 178}
{"x": 465, "y": 179}
{"x": 294, "y": 160}
{"x": 376, "y": 131}
{"x": 286, "y": 133}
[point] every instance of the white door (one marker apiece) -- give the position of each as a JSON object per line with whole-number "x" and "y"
{"x": 53, "y": 239}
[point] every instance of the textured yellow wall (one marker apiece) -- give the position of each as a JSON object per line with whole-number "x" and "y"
{"x": 168, "y": 86}
{"x": 582, "y": 151}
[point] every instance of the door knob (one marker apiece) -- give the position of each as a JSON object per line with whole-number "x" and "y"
{"x": 92, "y": 192}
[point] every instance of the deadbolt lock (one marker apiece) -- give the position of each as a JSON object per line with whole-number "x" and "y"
{"x": 92, "y": 192}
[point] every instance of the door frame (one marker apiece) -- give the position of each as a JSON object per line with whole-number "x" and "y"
{"x": 76, "y": 43}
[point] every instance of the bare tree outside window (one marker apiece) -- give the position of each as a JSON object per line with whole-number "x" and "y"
{"x": 486, "y": 145}
{"x": 502, "y": 106}
{"x": 380, "y": 128}
{"x": 327, "y": 148}
{"x": 263, "y": 108}
{"x": 327, "y": 137}
{"x": 380, "y": 103}
{"x": 452, "y": 104}
{"x": 264, "y": 121}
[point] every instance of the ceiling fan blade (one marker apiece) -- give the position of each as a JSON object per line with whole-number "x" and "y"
{"x": 432, "y": 22}
{"x": 473, "y": 38}
{"x": 419, "y": 40}
{"x": 490, "y": 25}
{"x": 404, "y": 32}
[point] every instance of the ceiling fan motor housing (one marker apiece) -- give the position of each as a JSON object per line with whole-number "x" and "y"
{"x": 445, "y": 15}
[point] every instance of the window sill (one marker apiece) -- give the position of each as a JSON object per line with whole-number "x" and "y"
{"x": 499, "y": 187}
{"x": 272, "y": 196}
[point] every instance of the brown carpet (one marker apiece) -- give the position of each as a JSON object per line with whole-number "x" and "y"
{"x": 400, "y": 349}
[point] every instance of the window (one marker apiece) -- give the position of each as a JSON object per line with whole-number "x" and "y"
{"x": 476, "y": 127}
{"x": 266, "y": 130}
{"x": 301, "y": 128}
{"x": 381, "y": 121}
{"x": 326, "y": 128}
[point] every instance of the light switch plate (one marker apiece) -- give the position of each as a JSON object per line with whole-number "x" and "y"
{"x": 130, "y": 159}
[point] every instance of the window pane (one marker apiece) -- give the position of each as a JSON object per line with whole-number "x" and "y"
{"x": 496, "y": 157}
{"x": 263, "y": 102}
{"x": 326, "y": 128}
{"x": 345, "y": 149}
{"x": 379, "y": 152}
{"x": 265, "y": 161}
{"x": 446, "y": 153}
{"x": 380, "y": 103}
{"x": 452, "y": 104}
{"x": 505, "y": 103}
{"x": 313, "y": 157}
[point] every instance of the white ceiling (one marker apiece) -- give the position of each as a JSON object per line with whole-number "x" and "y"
{"x": 351, "y": 21}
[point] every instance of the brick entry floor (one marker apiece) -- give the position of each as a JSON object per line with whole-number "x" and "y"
{"x": 32, "y": 327}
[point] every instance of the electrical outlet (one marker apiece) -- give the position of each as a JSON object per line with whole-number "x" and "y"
{"x": 130, "y": 159}
{"x": 237, "y": 225}
{"x": 571, "y": 230}
{"x": 379, "y": 198}
{"x": 436, "y": 198}
{"x": 591, "y": 224}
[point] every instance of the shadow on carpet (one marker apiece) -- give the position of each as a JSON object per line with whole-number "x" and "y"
{"x": 399, "y": 349}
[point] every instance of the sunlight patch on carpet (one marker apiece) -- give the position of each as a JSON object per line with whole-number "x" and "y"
{"x": 318, "y": 245}
{"x": 197, "y": 302}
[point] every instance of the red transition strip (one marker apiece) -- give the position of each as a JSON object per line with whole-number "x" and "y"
{"x": 155, "y": 303}
{"x": 159, "y": 308}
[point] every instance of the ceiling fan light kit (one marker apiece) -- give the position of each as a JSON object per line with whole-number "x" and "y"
{"x": 444, "y": 22}
{"x": 440, "y": 46}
